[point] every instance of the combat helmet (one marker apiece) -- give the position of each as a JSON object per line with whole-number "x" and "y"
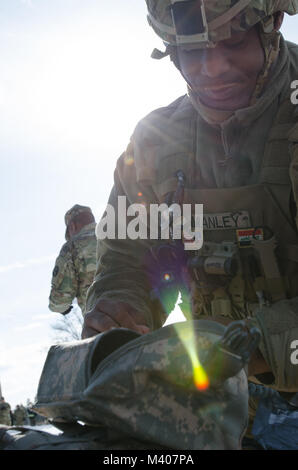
{"x": 201, "y": 23}
{"x": 72, "y": 213}
{"x": 197, "y": 24}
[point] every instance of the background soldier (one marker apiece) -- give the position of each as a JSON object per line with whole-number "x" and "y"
{"x": 234, "y": 136}
{"x": 20, "y": 416}
{"x": 5, "y": 414}
{"x": 75, "y": 266}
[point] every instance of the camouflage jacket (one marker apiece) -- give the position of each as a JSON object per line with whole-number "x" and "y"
{"x": 249, "y": 152}
{"x": 19, "y": 416}
{"x": 5, "y": 417}
{"x": 74, "y": 270}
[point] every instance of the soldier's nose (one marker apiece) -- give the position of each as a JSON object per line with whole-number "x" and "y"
{"x": 214, "y": 63}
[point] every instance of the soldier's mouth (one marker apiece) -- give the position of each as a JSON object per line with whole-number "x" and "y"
{"x": 220, "y": 92}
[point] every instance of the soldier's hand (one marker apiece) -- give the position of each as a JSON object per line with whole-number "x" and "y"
{"x": 109, "y": 314}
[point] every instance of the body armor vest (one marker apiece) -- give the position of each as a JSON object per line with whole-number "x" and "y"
{"x": 257, "y": 220}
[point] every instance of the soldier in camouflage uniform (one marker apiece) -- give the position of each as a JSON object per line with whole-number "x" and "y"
{"x": 234, "y": 135}
{"x": 20, "y": 416}
{"x": 5, "y": 417}
{"x": 75, "y": 266}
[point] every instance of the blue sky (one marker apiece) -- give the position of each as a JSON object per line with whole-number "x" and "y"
{"x": 75, "y": 77}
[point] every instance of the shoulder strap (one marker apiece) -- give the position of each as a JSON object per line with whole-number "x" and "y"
{"x": 277, "y": 158}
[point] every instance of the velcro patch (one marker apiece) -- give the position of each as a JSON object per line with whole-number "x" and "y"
{"x": 245, "y": 236}
{"x": 226, "y": 220}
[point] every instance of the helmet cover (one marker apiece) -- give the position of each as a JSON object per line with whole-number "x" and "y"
{"x": 200, "y": 23}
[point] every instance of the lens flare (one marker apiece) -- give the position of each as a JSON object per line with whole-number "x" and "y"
{"x": 129, "y": 160}
{"x": 188, "y": 339}
{"x": 166, "y": 277}
{"x": 200, "y": 378}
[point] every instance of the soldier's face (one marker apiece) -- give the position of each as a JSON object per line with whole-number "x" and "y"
{"x": 72, "y": 230}
{"x": 225, "y": 77}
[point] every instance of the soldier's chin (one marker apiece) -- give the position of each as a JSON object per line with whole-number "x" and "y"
{"x": 233, "y": 103}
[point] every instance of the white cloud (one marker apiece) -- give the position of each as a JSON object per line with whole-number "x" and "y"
{"x": 19, "y": 352}
{"x": 20, "y": 307}
{"x": 31, "y": 326}
{"x": 47, "y": 316}
{"x": 27, "y": 263}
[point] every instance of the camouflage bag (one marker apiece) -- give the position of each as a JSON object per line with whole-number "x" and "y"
{"x": 139, "y": 392}
{"x": 74, "y": 437}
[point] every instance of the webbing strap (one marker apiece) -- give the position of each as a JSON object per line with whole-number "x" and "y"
{"x": 228, "y": 15}
{"x": 161, "y": 26}
{"x": 214, "y": 24}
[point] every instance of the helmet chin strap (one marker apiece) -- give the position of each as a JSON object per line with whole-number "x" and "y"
{"x": 270, "y": 40}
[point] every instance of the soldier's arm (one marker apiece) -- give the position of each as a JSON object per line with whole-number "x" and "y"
{"x": 279, "y": 325}
{"x": 120, "y": 294}
{"x": 64, "y": 282}
{"x": 279, "y": 344}
{"x": 278, "y": 349}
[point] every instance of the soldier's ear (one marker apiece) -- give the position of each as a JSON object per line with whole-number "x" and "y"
{"x": 278, "y": 20}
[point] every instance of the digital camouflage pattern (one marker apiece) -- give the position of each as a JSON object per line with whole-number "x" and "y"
{"x": 74, "y": 270}
{"x": 85, "y": 355}
{"x": 222, "y": 17}
{"x": 145, "y": 389}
